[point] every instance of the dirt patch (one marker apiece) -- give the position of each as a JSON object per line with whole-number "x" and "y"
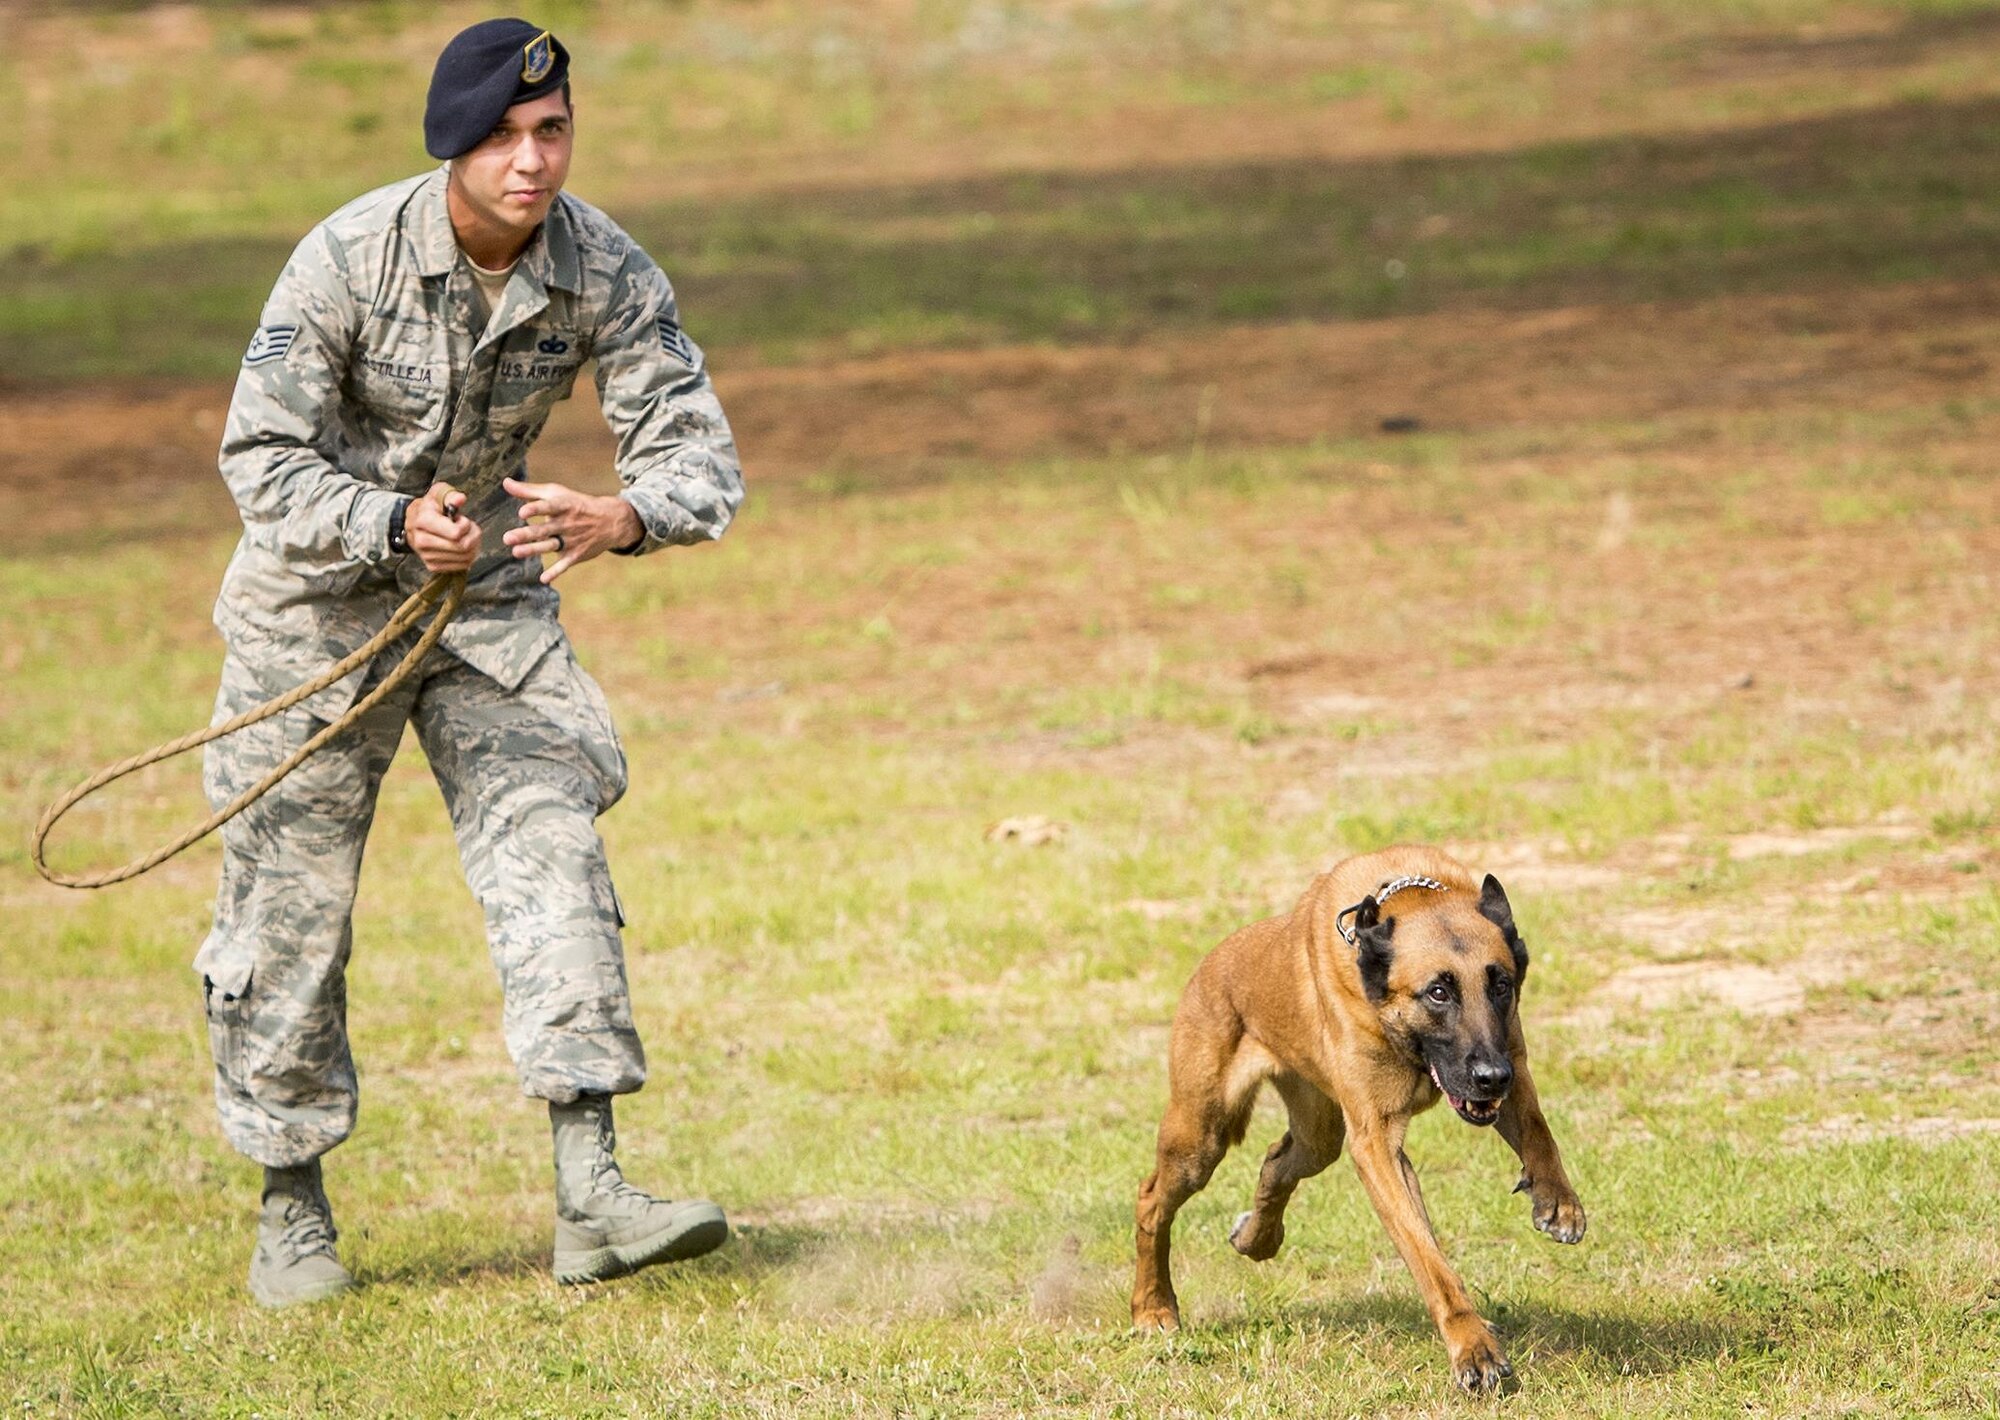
{"x": 1339, "y": 704}
{"x": 1931, "y": 877}
{"x": 1297, "y": 383}
{"x": 1750, "y": 990}
{"x": 144, "y": 453}
{"x": 1821, "y": 840}
{"x": 1537, "y": 866}
{"x": 1950, "y": 1019}
{"x": 1686, "y": 932}
{"x": 1853, "y": 1129}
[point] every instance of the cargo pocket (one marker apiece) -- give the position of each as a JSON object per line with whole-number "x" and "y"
{"x": 607, "y": 755}
{"x": 564, "y": 692}
{"x": 225, "y": 1029}
{"x": 227, "y": 969}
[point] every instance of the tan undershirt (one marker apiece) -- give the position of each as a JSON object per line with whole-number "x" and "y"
{"x": 487, "y": 286}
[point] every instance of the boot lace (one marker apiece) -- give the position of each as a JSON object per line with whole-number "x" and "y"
{"x": 308, "y": 1227}
{"x": 608, "y": 1187}
{"x": 607, "y": 1180}
{"x": 598, "y": 1188}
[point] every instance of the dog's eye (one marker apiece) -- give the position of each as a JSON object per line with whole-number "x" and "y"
{"x": 1502, "y": 989}
{"x": 1439, "y": 993}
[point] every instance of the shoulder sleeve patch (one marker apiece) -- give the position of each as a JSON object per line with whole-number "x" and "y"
{"x": 675, "y": 342}
{"x": 270, "y": 343}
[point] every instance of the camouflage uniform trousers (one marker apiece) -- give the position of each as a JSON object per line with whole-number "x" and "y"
{"x": 524, "y": 773}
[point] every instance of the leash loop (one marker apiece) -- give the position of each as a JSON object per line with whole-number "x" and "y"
{"x": 445, "y": 591}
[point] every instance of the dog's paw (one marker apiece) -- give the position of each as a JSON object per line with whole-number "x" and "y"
{"x": 1561, "y": 1217}
{"x": 1155, "y": 1316}
{"x": 1255, "y": 1245}
{"x": 1478, "y": 1364}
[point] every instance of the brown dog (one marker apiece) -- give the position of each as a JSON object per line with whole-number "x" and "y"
{"x": 1395, "y": 980}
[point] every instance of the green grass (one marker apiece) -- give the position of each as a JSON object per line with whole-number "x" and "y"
{"x": 923, "y": 1068}
{"x": 1753, "y": 732}
{"x": 1882, "y": 196}
{"x": 164, "y": 180}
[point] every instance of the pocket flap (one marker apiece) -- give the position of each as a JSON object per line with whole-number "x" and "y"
{"x": 504, "y": 649}
{"x": 226, "y": 962}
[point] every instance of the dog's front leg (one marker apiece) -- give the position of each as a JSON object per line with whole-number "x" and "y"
{"x": 1477, "y": 1361}
{"x": 1557, "y": 1210}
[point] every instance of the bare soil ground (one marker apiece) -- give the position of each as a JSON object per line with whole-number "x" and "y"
{"x": 114, "y": 448}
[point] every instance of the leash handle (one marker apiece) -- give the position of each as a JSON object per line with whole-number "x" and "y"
{"x": 447, "y": 591}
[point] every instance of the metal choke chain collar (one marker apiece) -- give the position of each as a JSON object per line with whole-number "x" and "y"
{"x": 1381, "y": 895}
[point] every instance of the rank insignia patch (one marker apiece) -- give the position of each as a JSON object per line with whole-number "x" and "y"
{"x": 675, "y": 342}
{"x": 269, "y": 343}
{"x": 538, "y": 56}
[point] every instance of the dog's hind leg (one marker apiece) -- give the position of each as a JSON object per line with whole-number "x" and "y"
{"x": 1208, "y": 1112}
{"x": 1190, "y": 1147}
{"x": 1311, "y": 1141}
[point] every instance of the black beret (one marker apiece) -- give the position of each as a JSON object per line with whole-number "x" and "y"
{"x": 481, "y": 74}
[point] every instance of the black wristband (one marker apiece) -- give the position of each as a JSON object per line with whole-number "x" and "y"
{"x": 398, "y": 542}
{"x": 633, "y": 547}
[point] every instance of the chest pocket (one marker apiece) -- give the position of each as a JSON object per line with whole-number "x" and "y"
{"x": 400, "y": 396}
{"x": 537, "y": 369}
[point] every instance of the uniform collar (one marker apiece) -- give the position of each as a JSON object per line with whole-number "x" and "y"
{"x": 550, "y": 257}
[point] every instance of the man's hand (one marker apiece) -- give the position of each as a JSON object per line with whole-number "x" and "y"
{"x": 575, "y": 526}
{"x": 435, "y": 532}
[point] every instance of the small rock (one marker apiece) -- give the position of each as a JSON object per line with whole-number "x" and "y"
{"x": 1027, "y": 829}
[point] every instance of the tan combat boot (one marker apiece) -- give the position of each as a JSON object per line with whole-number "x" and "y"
{"x": 295, "y": 1261}
{"x": 606, "y": 1228}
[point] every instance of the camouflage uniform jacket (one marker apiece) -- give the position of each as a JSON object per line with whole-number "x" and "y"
{"x": 370, "y": 377}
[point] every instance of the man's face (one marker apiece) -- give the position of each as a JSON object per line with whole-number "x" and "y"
{"x": 515, "y": 172}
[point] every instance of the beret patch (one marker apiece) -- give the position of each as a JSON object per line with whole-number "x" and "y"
{"x": 482, "y": 73}
{"x": 538, "y": 57}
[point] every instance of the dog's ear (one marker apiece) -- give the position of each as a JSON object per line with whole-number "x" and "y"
{"x": 1493, "y": 905}
{"x": 1495, "y": 908}
{"x": 1372, "y": 952}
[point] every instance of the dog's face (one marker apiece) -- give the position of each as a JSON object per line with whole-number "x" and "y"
{"x": 1444, "y": 984}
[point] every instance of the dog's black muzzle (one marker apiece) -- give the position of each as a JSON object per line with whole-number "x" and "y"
{"x": 1483, "y": 1082}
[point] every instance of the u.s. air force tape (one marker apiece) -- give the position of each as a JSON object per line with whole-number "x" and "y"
{"x": 269, "y": 343}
